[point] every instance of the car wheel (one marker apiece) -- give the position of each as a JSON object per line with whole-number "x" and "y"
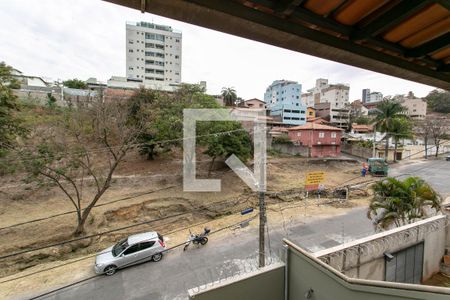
{"x": 110, "y": 270}
{"x": 157, "y": 257}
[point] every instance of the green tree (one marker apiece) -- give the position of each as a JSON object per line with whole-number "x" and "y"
{"x": 223, "y": 139}
{"x": 386, "y": 112}
{"x": 86, "y": 145}
{"x": 51, "y": 100}
{"x": 165, "y": 114}
{"x": 362, "y": 120}
{"x": 10, "y": 124}
{"x": 399, "y": 202}
{"x": 75, "y": 84}
{"x": 439, "y": 101}
{"x": 229, "y": 96}
{"x": 400, "y": 128}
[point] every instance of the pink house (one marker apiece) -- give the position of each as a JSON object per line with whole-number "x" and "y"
{"x": 323, "y": 140}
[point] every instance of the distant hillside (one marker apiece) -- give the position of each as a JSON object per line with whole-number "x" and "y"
{"x": 438, "y": 101}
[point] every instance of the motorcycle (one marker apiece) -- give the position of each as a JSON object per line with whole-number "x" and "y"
{"x": 196, "y": 239}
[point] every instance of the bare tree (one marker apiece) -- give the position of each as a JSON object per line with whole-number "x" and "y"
{"x": 423, "y": 130}
{"x": 438, "y": 131}
{"x": 86, "y": 144}
{"x": 434, "y": 130}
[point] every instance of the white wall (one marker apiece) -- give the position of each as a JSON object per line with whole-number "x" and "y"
{"x": 364, "y": 258}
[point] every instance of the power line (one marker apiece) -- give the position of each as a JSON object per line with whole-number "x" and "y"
{"x": 112, "y": 230}
{"x": 97, "y": 275}
{"x": 97, "y": 205}
{"x": 106, "y": 149}
{"x": 95, "y": 254}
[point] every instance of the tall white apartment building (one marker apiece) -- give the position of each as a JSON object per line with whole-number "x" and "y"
{"x": 153, "y": 55}
{"x": 331, "y": 101}
{"x": 371, "y": 97}
{"x": 335, "y": 94}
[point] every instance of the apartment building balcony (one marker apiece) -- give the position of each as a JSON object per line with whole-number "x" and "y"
{"x": 385, "y": 266}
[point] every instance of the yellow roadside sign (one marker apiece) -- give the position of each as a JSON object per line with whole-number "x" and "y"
{"x": 314, "y": 178}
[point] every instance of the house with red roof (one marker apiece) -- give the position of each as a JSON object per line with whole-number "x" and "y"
{"x": 322, "y": 140}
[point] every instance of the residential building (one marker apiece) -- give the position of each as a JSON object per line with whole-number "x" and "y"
{"x": 336, "y": 116}
{"x": 324, "y": 92}
{"x": 253, "y": 103}
{"x": 416, "y": 108}
{"x": 361, "y": 128}
{"x": 282, "y": 98}
{"x": 153, "y": 55}
{"x": 94, "y": 84}
{"x": 365, "y": 95}
{"x": 331, "y": 100}
{"x": 310, "y": 112}
{"x": 357, "y": 109}
{"x": 308, "y": 99}
{"x": 318, "y": 120}
{"x": 371, "y": 97}
{"x": 27, "y": 80}
{"x": 322, "y": 140}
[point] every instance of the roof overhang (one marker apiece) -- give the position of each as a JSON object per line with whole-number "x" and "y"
{"x": 386, "y": 36}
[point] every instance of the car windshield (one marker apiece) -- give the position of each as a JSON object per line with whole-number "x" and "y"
{"x": 119, "y": 247}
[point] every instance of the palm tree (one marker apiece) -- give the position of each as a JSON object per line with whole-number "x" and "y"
{"x": 386, "y": 111}
{"x": 397, "y": 202}
{"x": 401, "y": 128}
{"x": 229, "y": 96}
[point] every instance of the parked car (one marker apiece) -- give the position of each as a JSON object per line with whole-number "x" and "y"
{"x": 447, "y": 158}
{"x": 132, "y": 250}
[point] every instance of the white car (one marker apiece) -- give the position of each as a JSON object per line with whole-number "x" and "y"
{"x": 132, "y": 250}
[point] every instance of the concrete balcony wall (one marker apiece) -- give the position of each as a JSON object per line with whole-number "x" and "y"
{"x": 264, "y": 284}
{"x": 364, "y": 258}
{"x": 309, "y": 275}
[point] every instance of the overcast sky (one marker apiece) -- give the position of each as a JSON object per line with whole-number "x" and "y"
{"x": 63, "y": 39}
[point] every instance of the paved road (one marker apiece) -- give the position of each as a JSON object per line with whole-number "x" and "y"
{"x": 436, "y": 172}
{"x": 224, "y": 257}
{"x": 220, "y": 258}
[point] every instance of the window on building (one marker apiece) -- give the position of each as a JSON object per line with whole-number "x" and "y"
{"x": 152, "y": 36}
{"x": 321, "y": 135}
{"x": 295, "y": 119}
{"x": 287, "y": 110}
{"x": 295, "y": 111}
{"x": 177, "y": 40}
{"x": 130, "y": 68}
{"x": 176, "y": 56}
{"x": 130, "y": 50}
{"x": 333, "y": 135}
{"x": 130, "y": 41}
{"x": 303, "y": 119}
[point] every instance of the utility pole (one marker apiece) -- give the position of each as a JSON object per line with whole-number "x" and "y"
{"x": 262, "y": 191}
{"x": 374, "y": 141}
{"x": 262, "y": 227}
